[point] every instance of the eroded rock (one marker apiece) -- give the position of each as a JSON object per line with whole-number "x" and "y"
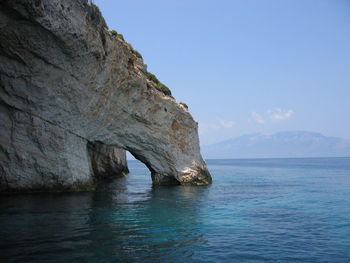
{"x": 67, "y": 81}
{"x": 107, "y": 161}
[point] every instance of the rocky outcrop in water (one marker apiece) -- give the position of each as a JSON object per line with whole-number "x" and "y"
{"x": 74, "y": 97}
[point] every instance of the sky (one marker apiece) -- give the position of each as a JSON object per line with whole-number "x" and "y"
{"x": 246, "y": 66}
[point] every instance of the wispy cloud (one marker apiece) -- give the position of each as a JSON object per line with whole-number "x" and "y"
{"x": 227, "y": 124}
{"x": 257, "y": 118}
{"x": 280, "y": 115}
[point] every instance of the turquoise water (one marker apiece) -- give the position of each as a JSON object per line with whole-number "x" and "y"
{"x": 263, "y": 210}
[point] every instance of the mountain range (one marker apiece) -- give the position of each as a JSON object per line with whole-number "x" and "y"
{"x": 286, "y": 144}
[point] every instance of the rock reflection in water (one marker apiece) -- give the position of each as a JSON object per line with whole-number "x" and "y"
{"x": 154, "y": 223}
{"x": 122, "y": 220}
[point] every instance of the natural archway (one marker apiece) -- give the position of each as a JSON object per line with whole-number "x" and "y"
{"x": 157, "y": 178}
{"x": 67, "y": 81}
{"x": 110, "y": 161}
{"x": 107, "y": 161}
{"x": 137, "y": 168}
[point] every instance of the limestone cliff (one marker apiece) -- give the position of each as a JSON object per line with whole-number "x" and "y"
{"x": 74, "y": 97}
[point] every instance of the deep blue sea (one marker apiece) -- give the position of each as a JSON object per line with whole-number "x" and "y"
{"x": 259, "y": 210}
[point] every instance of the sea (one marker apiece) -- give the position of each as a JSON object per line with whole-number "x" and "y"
{"x": 256, "y": 210}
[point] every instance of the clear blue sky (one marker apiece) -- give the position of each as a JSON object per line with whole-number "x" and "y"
{"x": 246, "y": 66}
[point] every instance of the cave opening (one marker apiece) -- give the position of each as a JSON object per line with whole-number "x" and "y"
{"x": 137, "y": 167}
{"x": 109, "y": 161}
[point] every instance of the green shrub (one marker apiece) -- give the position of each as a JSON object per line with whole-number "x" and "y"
{"x": 121, "y": 36}
{"x": 114, "y": 33}
{"x": 152, "y": 77}
{"x": 137, "y": 54}
{"x": 161, "y": 87}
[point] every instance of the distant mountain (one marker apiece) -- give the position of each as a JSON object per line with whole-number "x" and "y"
{"x": 281, "y": 144}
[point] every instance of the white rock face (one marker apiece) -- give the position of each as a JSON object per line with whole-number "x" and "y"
{"x": 66, "y": 81}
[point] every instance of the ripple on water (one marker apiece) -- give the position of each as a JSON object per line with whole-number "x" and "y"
{"x": 276, "y": 210}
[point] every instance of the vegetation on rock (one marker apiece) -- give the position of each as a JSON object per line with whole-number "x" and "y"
{"x": 116, "y": 34}
{"x": 137, "y": 53}
{"x": 152, "y": 77}
{"x": 121, "y": 36}
{"x": 159, "y": 86}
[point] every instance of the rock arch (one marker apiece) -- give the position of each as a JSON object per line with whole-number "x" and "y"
{"x": 67, "y": 82}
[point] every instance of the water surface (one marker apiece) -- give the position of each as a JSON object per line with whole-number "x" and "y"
{"x": 262, "y": 210}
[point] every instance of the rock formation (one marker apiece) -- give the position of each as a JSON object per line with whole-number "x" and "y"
{"x": 74, "y": 97}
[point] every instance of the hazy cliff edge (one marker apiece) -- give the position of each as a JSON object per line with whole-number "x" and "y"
{"x": 74, "y": 97}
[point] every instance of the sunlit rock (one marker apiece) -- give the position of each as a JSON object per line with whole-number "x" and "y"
{"x": 67, "y": 81}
